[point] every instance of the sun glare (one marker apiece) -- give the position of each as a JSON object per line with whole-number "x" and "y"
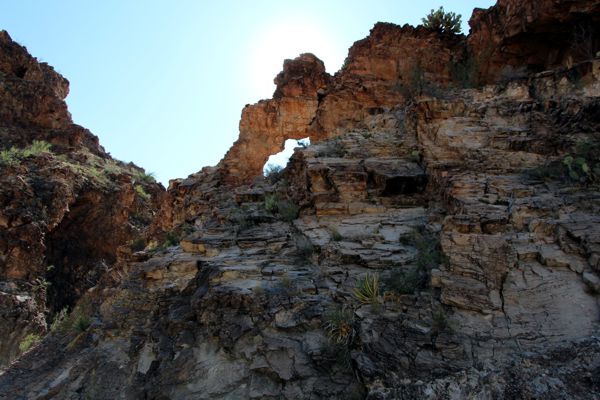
{"x": 284, "y": 40}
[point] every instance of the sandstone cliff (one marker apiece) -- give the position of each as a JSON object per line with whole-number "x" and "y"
{"x": 440, "y": 239}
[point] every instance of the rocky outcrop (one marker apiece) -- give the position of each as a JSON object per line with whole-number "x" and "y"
{"x": 488, "y": 273}
{"x": 65, "y": 206}
{"x": 514, "y": 38}
{"x": 510, "y": 40}
{"x": 380, "y": 72}
{"x": 433, "y": 242}
{"x": 265, "y": 126}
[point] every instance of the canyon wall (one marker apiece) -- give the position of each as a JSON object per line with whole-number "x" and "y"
{"x": 438, "y": 239}
{"x": 66, "y": 206}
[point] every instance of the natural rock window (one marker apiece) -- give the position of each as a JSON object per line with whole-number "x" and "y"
{"x": 281, "y": 159}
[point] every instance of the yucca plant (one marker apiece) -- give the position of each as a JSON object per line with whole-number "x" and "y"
{"x": 367, "y": 289}
{"x": 340, "y": 325}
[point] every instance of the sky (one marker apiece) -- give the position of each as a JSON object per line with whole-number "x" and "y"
{"x": 162, "y": 83}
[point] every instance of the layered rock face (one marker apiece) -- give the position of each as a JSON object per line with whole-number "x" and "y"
{"x": 519, "y": 37}
{"x": 65, "y": 205}
{"x": 436, "y": 242}
{"x": 510, "y": 40}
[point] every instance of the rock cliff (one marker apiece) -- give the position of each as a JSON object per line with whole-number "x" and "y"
{"x": 65, "y": 205}
{"x": 439, "y": 239}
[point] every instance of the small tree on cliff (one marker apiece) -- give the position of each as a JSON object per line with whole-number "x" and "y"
{"x": 443, "y": 22}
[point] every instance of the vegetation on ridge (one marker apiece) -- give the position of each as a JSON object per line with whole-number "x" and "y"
{"x": 442, "y": 21}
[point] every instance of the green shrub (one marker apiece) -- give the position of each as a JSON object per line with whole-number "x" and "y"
{"x": 13, "y": 156}
{"x": 429, "y": 254}
{"x": 442, "y": 21}
{"x": 582, "y": 166}
{"x": 286, "y": 282}
{"x": 29, "y": 341}
{"x": 37, "y": 147}
{"x": 287, "y": 211}
{"x": 143, "y": 176}
{"x": 367, "y": 289}
{"x": 404, "y": 282}
{"x": 241, "y": 219}
{"x": 40, "y": 285}
{"x": 439, "y": 321}
{"x": 81, "y": 323}
{"x": 336, "y": 236}
{"x": 76, "y": 322}
{"x": 339, "y": 325}
{"x": 271, "y": 202}
{"x": 59, "y": 323}
{"x": 172, "y": 239}
{"x": 139, "y": 189}
{"x": 428, "y": 257}
{"x": 415, "y": 156}
{"x": 138, "y": 244}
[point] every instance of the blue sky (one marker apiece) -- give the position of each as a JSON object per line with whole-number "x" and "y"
{"x": 163, "y": 83}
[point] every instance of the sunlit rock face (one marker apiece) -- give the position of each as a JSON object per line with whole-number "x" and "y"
{"x": 265, "y": 126}
{"x": 380, "y": 71}
{"x": 474, "y": 209}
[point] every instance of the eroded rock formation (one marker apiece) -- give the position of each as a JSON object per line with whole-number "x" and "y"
{"x": 474, "y": 209}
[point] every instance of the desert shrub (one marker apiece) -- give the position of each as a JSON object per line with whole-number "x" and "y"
{"x": 138, "y": 244}
{"x": 442, "y": 21}
{"x": 415, "y": 84}
{"x": 578, "y": 169}
{"x": 286, "y": 282}
{"x": 304, "y": 247}
{"x": 36, "y": 148}
{"x": 172, "y": 239}
{"x": 139, "y": 189}
{"x": 76, "y": 322}
{"x": 40, "y": 285}
{"x": 241, "y": 219}
{"x": 336, "y": 236}
{"x": 59, "y": 322}
{"x": 439, "y": 321}
{"x": 81, "y": 323}
{"x": 339, "y": 325}
{"x": 429, "y": 256}
{"x": 13, "y": 156}
{"x": 582, "y": 166}
{"x": 29, "y": 341}
{"x": 9, "y": 157}
{"x": 143, "y": 176}
{"x": 404, "y": 281}
{"x": 367, "y": 289}
{"x": 415, "y": 156}
{"x": 287, "y": 210}
{"x": 271, "y": 202}
{"x": 273, "y": 173}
